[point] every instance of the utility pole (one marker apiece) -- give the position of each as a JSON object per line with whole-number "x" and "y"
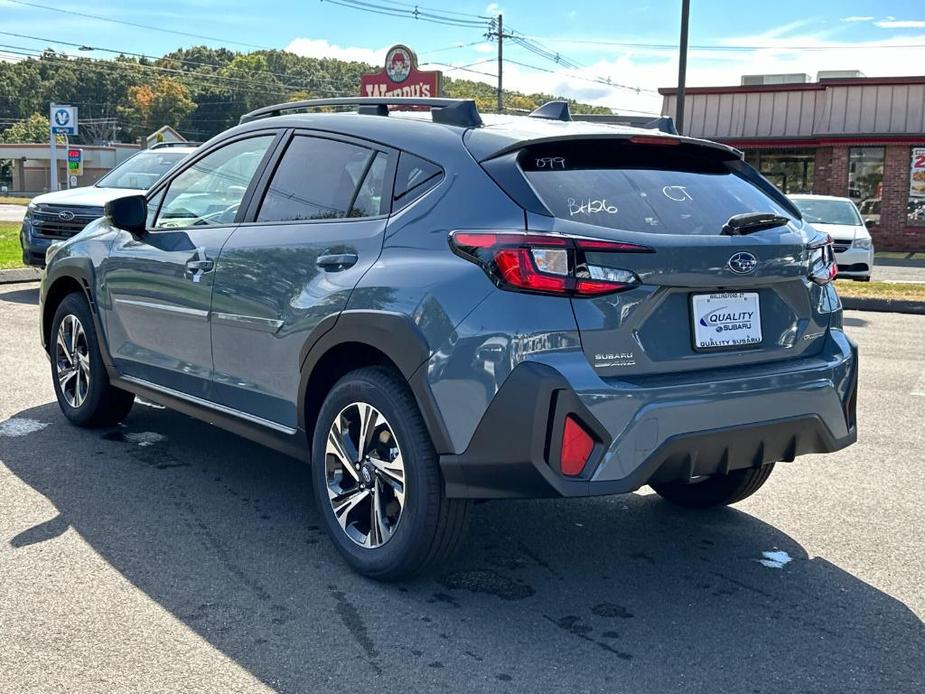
{"x": 500, "y": 62}
{"x": 682, "y": 66}
{"x": 52, "y": 153}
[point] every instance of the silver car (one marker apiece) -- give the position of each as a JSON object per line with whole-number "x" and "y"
{"x": 840, "y": 219}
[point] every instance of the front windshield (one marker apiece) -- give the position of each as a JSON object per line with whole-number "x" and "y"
{"x": 141, "y": 171}
{"x": 817, "y": 211}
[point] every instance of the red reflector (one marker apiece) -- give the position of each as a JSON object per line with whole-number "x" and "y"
{"x": 577, "y": 445}
{"x": 654, "y": 140}
{"x": 597, "y": 287}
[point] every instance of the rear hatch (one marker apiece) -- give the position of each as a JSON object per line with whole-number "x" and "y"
{"x": 707, "y": 299}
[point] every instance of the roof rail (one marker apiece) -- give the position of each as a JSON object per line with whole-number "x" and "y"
{"x": 553, "y": 110}
{"x": 167, "y": 145}
{"x": 461, "y": 112}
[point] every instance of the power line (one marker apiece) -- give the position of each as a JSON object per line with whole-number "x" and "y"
{"x": 168, "y": 57}
{"x": 466, "y": 68}
{"x": 714, "y": 47}
{"x": 559, "y": 59}
{"x": 593, "y": 80}
{"x": 200, "y": 79}
{"x": 137, "y": 25}
{"x": 405, "y": 11}
{"x": 462, "y": 14}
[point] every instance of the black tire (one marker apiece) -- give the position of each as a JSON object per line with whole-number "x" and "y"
{"x": 102, "y": 405}
{"x": 719, "y": 490}
{"x": 430, "y": 526}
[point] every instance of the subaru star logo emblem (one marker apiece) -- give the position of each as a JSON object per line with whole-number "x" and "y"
{"x": 66, "y": 216}
{"x": 742, "y": 263}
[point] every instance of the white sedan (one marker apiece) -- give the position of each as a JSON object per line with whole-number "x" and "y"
{"x": 840, "y": 219}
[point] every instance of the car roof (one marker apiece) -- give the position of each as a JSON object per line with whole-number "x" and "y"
{"x": 415, "y": 131}
{"x": 809, "y": 196}
{"x": 179, "y": 149}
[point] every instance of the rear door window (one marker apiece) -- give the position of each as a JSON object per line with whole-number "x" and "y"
{"x": 669, "y": 189}
{"x": 319, "y": 178}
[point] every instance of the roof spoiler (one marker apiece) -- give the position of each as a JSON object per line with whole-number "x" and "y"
{"x": 460, "y": 112}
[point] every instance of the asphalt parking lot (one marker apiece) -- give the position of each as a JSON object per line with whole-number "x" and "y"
{"x": 167, "y": 555}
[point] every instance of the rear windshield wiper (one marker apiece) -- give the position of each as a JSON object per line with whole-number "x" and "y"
{"x": 750, "y": 222}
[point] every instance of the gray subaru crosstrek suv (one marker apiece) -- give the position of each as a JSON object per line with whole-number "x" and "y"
{"x": 434, "y": 308}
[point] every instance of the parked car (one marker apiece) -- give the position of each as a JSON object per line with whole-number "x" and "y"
{"x": 434, "y": 308}
{"x": 840, "y": 219}
{"x": 61, "y": 214}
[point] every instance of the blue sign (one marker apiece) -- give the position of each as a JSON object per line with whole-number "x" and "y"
{"x": 64, "y": 120}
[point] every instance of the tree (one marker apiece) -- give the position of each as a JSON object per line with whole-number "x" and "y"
{"x": 151, "y": 106}
{"x": 35, "y": 128}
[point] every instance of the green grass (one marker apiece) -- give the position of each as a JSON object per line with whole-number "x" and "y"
{"x": 9, "y": 200}
{"x": 10, "y": 250}
{"x": 881, "y": 290}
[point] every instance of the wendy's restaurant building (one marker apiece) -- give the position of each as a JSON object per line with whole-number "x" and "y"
{"x": 844, "y": 134}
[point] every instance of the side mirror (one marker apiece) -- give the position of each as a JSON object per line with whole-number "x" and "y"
{"x": 130, "y": 214}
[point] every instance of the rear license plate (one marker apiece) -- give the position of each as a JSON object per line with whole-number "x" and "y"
{"x": 730, "y": 319}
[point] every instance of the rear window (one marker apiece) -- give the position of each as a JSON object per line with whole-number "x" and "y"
{"x": 676, "y": 189}
{"x": 819, "y": 211}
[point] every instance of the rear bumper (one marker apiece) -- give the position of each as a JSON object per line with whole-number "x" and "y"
{"x": 657, "y": 429}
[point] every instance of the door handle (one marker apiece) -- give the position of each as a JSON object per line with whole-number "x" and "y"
{"x": 200, "y": 265}
{"x": 335, "y": 262}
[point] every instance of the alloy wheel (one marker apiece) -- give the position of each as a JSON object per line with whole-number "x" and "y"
{"x": 72, "y": 361}
{"x": 365, "y": 475}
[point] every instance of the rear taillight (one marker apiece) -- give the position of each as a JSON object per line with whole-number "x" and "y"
{"x": 546, "y": 263}
{"x": 822, "y": 265}
{"x": 577, "y": 445}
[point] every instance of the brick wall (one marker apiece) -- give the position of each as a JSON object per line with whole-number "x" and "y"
{"x": 839, "y": 182}
{"x": 822, "y": 176}
{"x": 895, "y": 232}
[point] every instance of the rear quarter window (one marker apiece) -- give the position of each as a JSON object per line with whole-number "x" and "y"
{"x": 669, "y": 189}
{"x": 413, "y": 178}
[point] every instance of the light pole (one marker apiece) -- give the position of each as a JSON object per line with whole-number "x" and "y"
{"x": 682, "y": 66}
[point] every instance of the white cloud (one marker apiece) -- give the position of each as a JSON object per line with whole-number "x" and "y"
{"x": 901, "y": 23}
{"x": 493, "y": 9}
{"x": 651, "y": 68}
{"x": 798, "y": 47}
{"x": 319, "y": 48}
{"x": 857, "y": 18}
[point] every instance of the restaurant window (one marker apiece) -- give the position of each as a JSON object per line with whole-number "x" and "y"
{"x": 791, "y": 170}
{"x": 865, "y": 180}
{"x": 915, "y": 209}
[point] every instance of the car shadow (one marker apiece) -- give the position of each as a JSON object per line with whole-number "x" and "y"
{"x": 22, "y": 296}
{"x": 617, "y": 593}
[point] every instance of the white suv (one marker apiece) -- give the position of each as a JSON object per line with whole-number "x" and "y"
{"x": 840, "y": 219}
{"x": 63, "y": 213}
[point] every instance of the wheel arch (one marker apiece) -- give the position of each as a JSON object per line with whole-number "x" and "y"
{"x": 360, "y": 338}
{"x": 60, "y": 284}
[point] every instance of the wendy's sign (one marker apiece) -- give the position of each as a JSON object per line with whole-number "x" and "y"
{"x": 401, "y": 77}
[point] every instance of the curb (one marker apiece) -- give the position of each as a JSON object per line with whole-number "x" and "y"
{"x": 883, "y": 305}
{"x": 899, "y": 262}
{"x": 25, "y": 274}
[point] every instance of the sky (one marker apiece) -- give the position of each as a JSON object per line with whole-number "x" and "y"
{"x": 624, "y": 50}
